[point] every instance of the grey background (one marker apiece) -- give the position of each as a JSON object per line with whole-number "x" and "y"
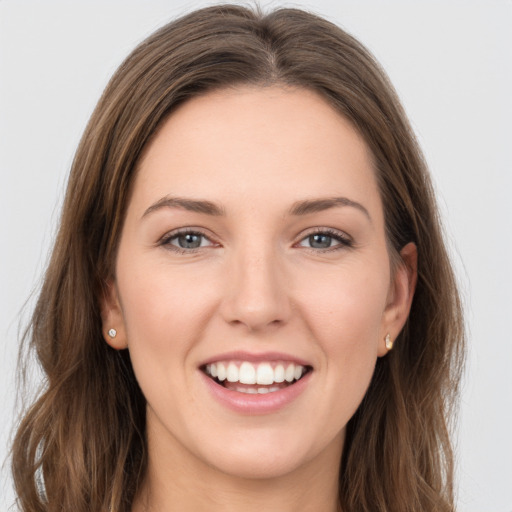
{"x": 451, "y": 62}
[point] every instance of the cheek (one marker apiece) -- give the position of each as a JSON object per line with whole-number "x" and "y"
{"x": 346, "y": 300}
{"x": 164, "y": 310}
{"x": 343, "y": 312}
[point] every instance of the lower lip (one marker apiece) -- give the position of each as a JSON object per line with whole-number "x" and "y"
{"x": 264, "y": 403}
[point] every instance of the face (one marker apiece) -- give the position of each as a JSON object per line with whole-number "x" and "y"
{"x": 253, "y": 286}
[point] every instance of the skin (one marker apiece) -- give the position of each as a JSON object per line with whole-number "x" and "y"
{"x": 256, "y": 284}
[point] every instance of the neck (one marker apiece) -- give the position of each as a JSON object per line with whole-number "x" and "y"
{"x": 215, "y": 495}
{"x": 177, "y": 481}
{"x": 248, "y": 496}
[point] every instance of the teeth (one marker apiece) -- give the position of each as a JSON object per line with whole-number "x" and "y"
{"x": 289, "y": 373}
{"x": 247, "y": 373}
{"x": 221, "y": 371}
{"x": 232, "y": 372}
{"x": 264, "y": 374}
{"x": 257, "y": 391}
{"x": 279, "y": 373}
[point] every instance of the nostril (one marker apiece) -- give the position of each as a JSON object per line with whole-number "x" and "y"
{"x": 257, "y": 298}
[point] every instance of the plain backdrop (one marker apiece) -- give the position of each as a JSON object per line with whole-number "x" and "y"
{"x": 451, "y": 62}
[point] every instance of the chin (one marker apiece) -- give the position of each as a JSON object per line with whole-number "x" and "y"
{"x": 260, "y": 466}
{"x": 271, "y": 455}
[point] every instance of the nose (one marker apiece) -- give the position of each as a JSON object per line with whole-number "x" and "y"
{"x": 256, "y": 293}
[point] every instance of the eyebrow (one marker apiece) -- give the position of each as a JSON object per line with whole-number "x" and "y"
{"x": 192, "y": 205}
{"x": 305, "y": 207}
{"x": 309, "y": 206}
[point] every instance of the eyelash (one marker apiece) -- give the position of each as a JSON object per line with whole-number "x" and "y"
{"x": 343, "y": 240}
{"x": 167, "y": 239}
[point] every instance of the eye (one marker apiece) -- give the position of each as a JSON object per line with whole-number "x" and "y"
{"x": 186, "y": 240}
{"x": 325, "y": 239}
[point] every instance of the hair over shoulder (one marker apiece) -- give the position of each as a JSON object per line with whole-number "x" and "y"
{"x": 82, "y": 446}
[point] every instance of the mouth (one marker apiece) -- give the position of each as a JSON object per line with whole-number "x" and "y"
{"x": 255, "y": 378}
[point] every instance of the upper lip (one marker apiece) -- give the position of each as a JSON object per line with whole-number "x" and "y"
{"x": 255, "y": 358}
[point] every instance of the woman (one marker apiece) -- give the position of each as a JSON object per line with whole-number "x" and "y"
{"x": 249, "y": 302}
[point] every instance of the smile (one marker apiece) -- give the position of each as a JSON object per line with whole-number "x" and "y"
{"x": 255, "y": 378}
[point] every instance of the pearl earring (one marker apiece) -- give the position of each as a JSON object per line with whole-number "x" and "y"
{"x": 388, "y": 341}
{"x": 112, "y": 333}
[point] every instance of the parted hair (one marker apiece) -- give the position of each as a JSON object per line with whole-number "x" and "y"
{"x": 81, "y": 445}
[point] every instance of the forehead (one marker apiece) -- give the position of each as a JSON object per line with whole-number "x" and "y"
{"x": 258, "y": 143}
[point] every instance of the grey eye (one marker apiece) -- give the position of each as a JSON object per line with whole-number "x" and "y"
{"x": 188, "y": 240}
{"x": 320, "y": 241}
{"x": 323, "y": 240}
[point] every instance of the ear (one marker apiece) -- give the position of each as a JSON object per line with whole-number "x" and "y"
{"x": 112, "y": 317}
{"x": 401, "y": 293}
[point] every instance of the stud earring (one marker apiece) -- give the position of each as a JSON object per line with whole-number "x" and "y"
{"x": 388, "y": 341}
{"x": 112, "y": 333}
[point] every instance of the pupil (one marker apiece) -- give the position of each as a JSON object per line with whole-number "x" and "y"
{"x": 189, "y": 241}
{"x": 320, "y": 241}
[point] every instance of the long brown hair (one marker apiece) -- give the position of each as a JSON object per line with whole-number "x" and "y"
{"x": 81, "y": 446}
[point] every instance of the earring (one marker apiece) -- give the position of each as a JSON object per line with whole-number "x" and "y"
{"x": 388, "y": 341}
{"x": 112, "y": 333}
